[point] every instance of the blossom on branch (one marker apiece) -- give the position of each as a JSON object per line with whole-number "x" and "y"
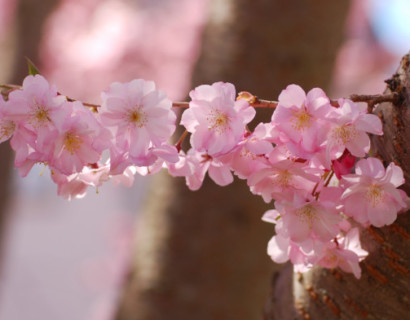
{"x": 349, "y": 126}
{"x": 371, "y": 196}
{"x": 302, "y": 159}
{"x": 215, "y": 120}
{"x": 301, "y": 120}
{"x": 140, "y": 117}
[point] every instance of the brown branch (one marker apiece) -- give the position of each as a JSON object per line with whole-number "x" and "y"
{"x": 94, "y": 107}
{"x": 180, "y": 104}
{"x": 377, "y": 98}
{"x": 254, "y": 101}
{"x": 10, "y": 86}
{"x": 371, "y": 99}
{"x": 260, "y": 103}
{"x": 180, "y": 140}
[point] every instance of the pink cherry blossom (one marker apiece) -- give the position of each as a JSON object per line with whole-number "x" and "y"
{"x": 371, "y": 196}
{"x": 250, "y": 154}
{"x": 217, "y": 122}
{"x": 290, "y": 160}
{"x": 139, "y": 116}
{"x": 281, "y": 180}
{"x": 194, "y": 165}
{"x": 301, "y": 119}
{"x": 310, "y": 217}
{"x": 345, "y": 253}
{"x": 349, "y": 129}
{"x": 33, "y": 109}
{"x": 281, "y": 248}
{"x": 35, "y": 104}
{"x": 76, "y": 140}
{"x": 69, "y": 187}
{"x": 75, "y": 186}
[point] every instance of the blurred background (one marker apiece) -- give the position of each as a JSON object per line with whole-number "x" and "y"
{"x": 80, "y": 259}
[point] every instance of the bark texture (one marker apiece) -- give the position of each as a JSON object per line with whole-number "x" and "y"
{"x": 383, "y": 292}
{"x": 202, "y": 255}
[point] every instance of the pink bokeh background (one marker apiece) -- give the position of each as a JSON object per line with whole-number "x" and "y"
{"x": 68, "y": 260}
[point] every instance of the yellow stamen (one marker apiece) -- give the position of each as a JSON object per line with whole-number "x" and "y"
{"x": 72, "y": 142}
{"x": 301, "y": 119}
{"x": 40, "y": 115}
{"x": 283, "y": 178}
{"x": 375, "y": 195}
{"x": 344, "y": 134}
{"x": 137, "y": 117}
{"x": 307, "y": 214}
{"x": 218, "y": 121}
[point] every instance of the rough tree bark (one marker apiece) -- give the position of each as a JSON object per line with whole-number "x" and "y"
{"x": 202, "y": 255}
{"x": 383, "y": 292}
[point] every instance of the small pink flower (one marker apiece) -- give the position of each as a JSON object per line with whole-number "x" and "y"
{"x": 140, "y": 117}
{"x": 281, "y": 180}
{"x": 69, "y": 187}
{"x": 35, "y": 104}
{"x": 371, "y": 195}
{"x": 302, "y": 120}
{"x": 350, "y": 125}
{"x": 76, "y": 140}
{"x": 194, "y": 165}
{"x": 310, "y": 218}
{"x": 250, "y": 154}
{"x": 281, "y": 248}
{"x": 345, "y": 253}
{"x": 33, "y": 109}
{"x": 217, "y": 122}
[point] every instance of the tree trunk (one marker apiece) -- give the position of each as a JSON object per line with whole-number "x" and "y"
{"x": 383, "y": 291}
{"x": 202, "y": 255}
{"x": 22, "y": 43}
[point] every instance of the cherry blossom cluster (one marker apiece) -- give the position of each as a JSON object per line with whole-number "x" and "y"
{"x": 311, "y": 160}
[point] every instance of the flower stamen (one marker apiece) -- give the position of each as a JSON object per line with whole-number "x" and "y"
{"x": 301, "y": 119}
{"x": 218, "y": 121}
{"x": 72, "y": 142}
{"x": 307, "y": 214}
{"x": 375, "y": 195}
{"x": 137, "y": 117}
{"x": 344, "y": 134}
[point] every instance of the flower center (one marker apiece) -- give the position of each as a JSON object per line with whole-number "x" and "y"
{"x": 307, "y": 214}
{"x": 245, "y": 153}
{"x": 344, "y": 134}
{"x": 283, "y": 178}
{"x": 375, "y": 195}
{"x": 331, "y": 259}
{"x": 137, "y": 117}
{"x": 218, "y": 121}
{"x": 40, "y": 115}
{"x": 301, "y": 119}
{"x": 72, "y": 142}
